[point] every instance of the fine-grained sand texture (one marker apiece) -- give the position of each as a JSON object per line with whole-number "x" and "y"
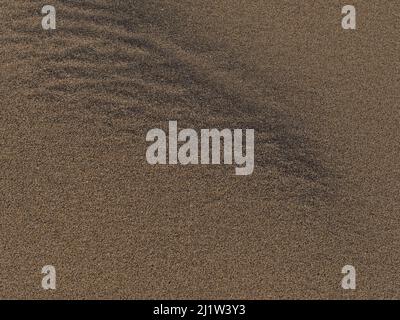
{"x": 76, "y": 190}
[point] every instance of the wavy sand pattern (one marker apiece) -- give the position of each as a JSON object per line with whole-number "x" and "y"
{"x": 77, "y": 104}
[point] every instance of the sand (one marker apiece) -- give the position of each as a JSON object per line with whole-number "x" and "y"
{"x": 77, "y": 192}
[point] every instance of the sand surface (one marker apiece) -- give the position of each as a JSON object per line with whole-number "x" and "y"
{"x": 76, "y": 190}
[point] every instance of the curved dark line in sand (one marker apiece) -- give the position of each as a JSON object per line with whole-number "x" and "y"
{"x": 101, "y": 63}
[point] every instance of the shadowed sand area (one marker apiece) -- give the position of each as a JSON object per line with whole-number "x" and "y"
{"x": 78, "y": 193}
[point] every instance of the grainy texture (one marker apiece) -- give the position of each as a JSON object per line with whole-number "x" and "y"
{"x": 76, "y": 190}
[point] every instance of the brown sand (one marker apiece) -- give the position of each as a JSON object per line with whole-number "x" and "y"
{"x": 77, "y": 192}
